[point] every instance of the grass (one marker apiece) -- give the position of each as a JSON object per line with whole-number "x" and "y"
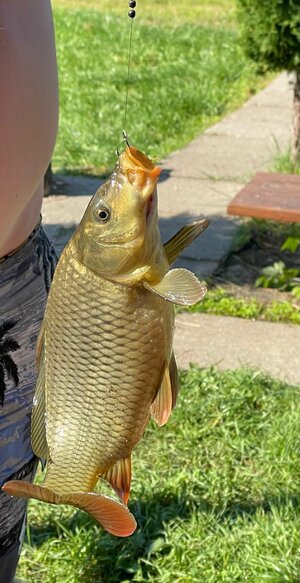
{"x": 215, "y": 494}
{"x": 205, "y": 12}
{"x": 220, "y": 302}
{"x": 283, "y": 164}
{"x": 183, "y": 78}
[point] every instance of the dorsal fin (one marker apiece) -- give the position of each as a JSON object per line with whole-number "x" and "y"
{"x": 185, "y": 236}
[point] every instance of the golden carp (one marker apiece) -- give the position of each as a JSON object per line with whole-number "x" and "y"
{"x": 104, "y": 354}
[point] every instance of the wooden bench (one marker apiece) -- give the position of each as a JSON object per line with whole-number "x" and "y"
{"x": 269, "y": 196}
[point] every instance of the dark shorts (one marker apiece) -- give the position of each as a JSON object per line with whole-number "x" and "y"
{"x": 25, "y": 278}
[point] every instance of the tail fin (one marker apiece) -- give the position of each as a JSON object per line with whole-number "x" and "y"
{"x": 113, "y": 516}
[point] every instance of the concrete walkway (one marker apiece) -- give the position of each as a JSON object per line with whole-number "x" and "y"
{"x": 199, "y": 181}
{"x": 229, "y": 343}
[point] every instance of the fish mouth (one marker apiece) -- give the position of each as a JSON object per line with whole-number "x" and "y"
{"x": 140, "y": 170}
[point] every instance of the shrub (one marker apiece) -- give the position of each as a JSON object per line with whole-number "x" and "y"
{"x": 270, "y": 31}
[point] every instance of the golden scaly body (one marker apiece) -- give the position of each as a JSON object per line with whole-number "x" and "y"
{"x": 104, "y": 354}
{"x": 108, "y": 345}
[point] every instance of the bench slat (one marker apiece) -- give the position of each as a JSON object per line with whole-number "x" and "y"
{"x": 269, "y": 196}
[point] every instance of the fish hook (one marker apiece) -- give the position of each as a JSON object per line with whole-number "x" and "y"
{"x": 125, "y": 138}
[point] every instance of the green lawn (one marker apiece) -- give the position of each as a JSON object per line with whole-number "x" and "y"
{"x": 215, "y": 494}
{"x": 186, "y": 73}
{"x": 220, "y": 302}
{"x": 205, "y": 12}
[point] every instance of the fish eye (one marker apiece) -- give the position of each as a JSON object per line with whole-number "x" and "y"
{"x": 102, "y": 214}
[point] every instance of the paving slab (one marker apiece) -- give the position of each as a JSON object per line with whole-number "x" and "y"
{"x": 230, "y": 343}
{"x": 275, "y": 93}
{"x": 223, "y": 157}
{"x": 194, "y": 197}
{"x": 271, "y": 125}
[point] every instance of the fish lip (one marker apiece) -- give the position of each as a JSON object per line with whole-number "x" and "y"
{"x": 140, "y": 170}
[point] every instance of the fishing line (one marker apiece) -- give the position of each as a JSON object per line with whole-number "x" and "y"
{"x": 131, "y": 14}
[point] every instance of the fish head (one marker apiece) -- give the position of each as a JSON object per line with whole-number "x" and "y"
{"x": 119, "y": 230}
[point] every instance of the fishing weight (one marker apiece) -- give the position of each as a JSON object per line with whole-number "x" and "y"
{"x": 132, "y": 12}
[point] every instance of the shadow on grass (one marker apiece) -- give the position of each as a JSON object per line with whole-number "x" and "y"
{"x": 108, "y": 559}
{"x": 266, "y": 505}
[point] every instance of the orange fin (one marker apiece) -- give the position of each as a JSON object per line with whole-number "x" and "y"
{"x": 119, "y": 476}
{"x": 162, "y": 404}
{"x": 166, "y": 397}
{"x": 113, "y": 516}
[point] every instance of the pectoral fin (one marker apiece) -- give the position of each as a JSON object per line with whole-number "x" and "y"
{"x": 179, "y": 286}
{"x": 119, "y": 476}
{"x": 113, "y": 516}
{"x": 185, "y": 236}
{"x": 166, "y": 397}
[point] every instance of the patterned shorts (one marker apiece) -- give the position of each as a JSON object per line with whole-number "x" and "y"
{"x": 25, "y": 277}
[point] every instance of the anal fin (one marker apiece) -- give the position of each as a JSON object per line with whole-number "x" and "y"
{"x": 166, "y": 397}
{"x": 119, "y": 476}
{"x": 162, "y": 404}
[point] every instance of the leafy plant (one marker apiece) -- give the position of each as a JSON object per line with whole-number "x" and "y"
{"x": 282, "y": 312}
{"x": 291, "y": 244}
{"x": 278, "y": 276}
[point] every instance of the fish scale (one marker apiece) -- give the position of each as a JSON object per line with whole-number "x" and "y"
{"x": 117, "y": 406}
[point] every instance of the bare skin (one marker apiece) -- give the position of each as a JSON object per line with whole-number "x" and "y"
{"x": 28, "y": 114}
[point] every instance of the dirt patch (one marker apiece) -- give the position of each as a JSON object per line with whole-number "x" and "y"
{"x": 262, "y": 247}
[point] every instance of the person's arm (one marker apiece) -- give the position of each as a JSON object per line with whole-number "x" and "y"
{"x": 28, "y": 114}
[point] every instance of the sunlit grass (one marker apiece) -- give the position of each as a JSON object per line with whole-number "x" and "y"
{"x": 215, "y": 494}
{"x": 220, "y": 302}
{"x": 203, "y": 12}
{"x": 182, "y": 80}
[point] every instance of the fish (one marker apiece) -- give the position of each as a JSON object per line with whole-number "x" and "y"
{"x": 104, "y": 354}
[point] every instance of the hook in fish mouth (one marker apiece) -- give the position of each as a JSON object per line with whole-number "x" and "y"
{"x": 125, "y": 138}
